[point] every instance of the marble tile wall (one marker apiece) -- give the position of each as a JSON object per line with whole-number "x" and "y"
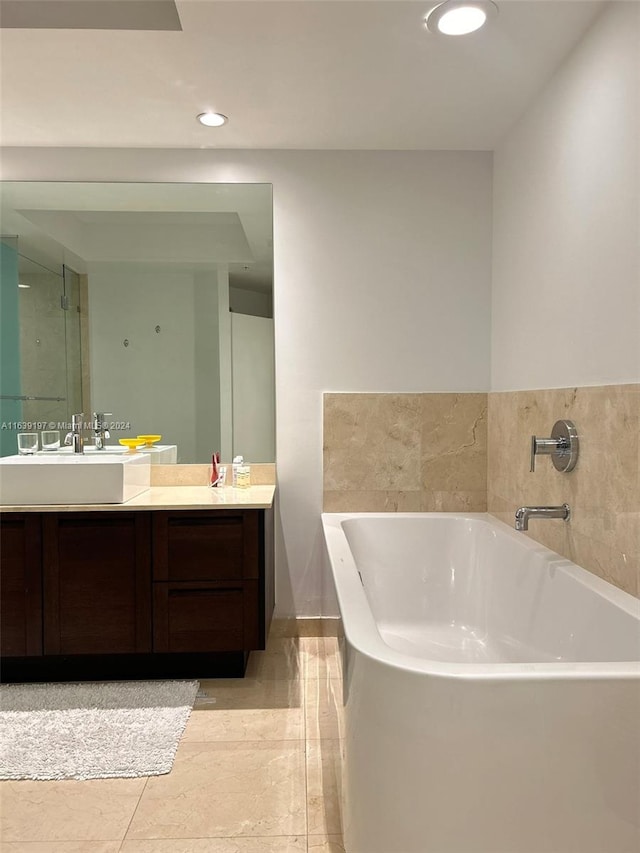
{"x": 262, "y": 474}
{"x": 405, "y": 452}
{"x": 603, "y": 490}
{"x": 470, "y": 452}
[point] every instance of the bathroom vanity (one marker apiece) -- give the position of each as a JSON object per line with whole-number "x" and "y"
{"x": 178, "y": 582}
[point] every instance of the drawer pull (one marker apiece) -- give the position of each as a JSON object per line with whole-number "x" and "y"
{"x": 72, "y": 524}
{"x": 194, "y": 521}
{"x": 181, "y": 593}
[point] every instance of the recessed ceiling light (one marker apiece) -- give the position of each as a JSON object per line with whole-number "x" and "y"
{"x": 459, "y": 17}
{"x": 24, "y": 285}
{"x": 212, "y": 119}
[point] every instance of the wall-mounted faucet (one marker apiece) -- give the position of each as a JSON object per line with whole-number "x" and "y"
{"x": 75, "y": 437}
{"x": 524, "y": 513}
{"x": 563, "y": 446}
{"x": 100, "y": 433}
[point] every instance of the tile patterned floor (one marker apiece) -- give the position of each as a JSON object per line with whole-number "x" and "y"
{"x": 258, "y": 770}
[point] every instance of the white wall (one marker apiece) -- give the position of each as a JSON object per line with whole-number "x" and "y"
{"x": 566, "y": 275}
{"x": 382, "y": 283}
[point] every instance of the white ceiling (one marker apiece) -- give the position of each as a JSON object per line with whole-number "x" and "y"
{"x": 298, "y": 74}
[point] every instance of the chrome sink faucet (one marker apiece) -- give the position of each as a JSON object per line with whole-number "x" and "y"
{"x": 524, "y": 513}
{"x": 75, "y": 437}
{"x": 100, "y": 433}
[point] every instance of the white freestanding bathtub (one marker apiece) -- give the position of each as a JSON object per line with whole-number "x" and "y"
{"x": 491, "y": 687}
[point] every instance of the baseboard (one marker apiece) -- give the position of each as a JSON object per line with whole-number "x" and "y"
{"x": 307, "y": 626}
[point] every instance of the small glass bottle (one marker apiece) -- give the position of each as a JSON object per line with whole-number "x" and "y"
{"x": 243, "y": 477}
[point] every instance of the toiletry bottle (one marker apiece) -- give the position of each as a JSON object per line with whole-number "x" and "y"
{"x": 244, "y": 476}
{"x": 222, "y": 476}
{"x": 237, "y": 463}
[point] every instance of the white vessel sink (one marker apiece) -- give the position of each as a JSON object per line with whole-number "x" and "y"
{"x": 159, "y": 454}
{"x": 75, "y": 479}
{"x": 88, "y": 448}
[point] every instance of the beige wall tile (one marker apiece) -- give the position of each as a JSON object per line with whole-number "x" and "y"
{"x": 461, "y": 501}
{"x": 180, "y": 475}
{"x": 454, "y": 442}
{"x": 373, "y": 501}
{"x": 603, "y": 490}
{"x": 405, "y": 452}
{"x": 262, "y": 474}
{"x": 372, "y": 442}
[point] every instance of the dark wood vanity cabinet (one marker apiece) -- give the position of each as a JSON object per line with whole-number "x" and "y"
{"x": 20, "y": 585}
{"x": 183, "y": 592}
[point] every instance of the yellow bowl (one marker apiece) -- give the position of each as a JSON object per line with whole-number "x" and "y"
{"x": 132, "y": 443}
{"x": 150, "y": 440}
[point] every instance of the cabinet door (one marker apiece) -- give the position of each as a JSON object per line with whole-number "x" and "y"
{"x": 97, "y": 590}
{"x": 206, "y": 545}
{"x": 21, "y": 598}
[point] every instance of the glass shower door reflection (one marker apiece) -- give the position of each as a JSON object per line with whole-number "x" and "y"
{"x": 48, "y": 353}
{"x": 73, "y": 349}
{"x": 42, "y": 343}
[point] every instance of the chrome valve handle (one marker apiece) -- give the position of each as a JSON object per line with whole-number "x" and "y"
{"x": 563, "y": 447}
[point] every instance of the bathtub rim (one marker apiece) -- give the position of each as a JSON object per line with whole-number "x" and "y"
{"x": 361, "y": 631}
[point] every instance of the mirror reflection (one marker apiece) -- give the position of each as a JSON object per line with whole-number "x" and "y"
{"x": 150, "y": 304}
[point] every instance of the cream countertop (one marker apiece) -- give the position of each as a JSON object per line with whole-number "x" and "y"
{"x": 171, "y": 497}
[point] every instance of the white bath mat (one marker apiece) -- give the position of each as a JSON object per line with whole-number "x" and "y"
{"x": 93, "y": 730}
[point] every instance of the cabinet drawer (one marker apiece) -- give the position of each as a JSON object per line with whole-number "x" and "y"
{"x": 205, "y": 545}
{"x": 207, "y": 617}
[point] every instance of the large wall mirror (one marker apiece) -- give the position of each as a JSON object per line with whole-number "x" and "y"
{"x": 151, "y": 302}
